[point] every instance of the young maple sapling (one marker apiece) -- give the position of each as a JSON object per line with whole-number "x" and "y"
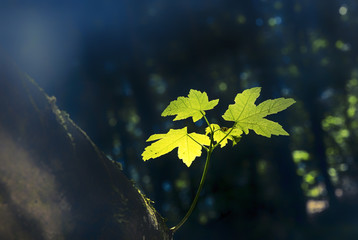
{"x": 244, "y": 114}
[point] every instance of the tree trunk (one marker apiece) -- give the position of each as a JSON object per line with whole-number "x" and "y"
{"x": 54, "y": 182}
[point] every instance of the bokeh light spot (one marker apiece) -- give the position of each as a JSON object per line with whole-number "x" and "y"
{"x": 342, "y": 46}
{"x": 222, "y": 86}
{"x": 277, "y": 5}
{"x": 203, "y": 219}
{"x": 343, "y": 167}
{"x": 157, "y": 83}
{"x": 166, "y": 185}
{"x": 343, "y": 10}
{"x": 316, "y": 206}
{"x": 274, "y": 21}
{"x": 300, "y": 155}
{"x": 338, "y": 192}
{"x": 241, "y": 19}
{"x": 319, "y": 44}
{"x": 332, "y": 172}
{"x": 259, "y": 22}
{"x": 261, "y": 166}
{"x": 112, "y": 122}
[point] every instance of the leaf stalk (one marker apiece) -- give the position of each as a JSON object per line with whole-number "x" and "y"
{"x": 193, "y": 204}
{"x": 203, "y": 177}
{"x": 227, "y": 135}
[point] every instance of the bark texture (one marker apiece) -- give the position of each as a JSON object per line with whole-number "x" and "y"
{"x": 54, "y": 182}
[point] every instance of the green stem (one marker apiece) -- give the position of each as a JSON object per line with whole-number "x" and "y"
{"x": 203, "y": 177}
{"x": 227, "y": 134}
{"x": 207, "y": 122}
{"x": 193, "y": 204}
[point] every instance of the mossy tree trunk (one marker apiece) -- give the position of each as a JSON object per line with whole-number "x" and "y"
{"x": 54, "y": 182}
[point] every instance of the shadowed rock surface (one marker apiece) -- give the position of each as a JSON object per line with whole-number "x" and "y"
{"x": 54, "y": 182}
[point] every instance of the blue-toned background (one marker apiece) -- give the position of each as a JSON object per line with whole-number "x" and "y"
{"x": 115, "y": 65}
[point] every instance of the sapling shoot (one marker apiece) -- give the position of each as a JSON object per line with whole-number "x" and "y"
{"x": 244, "y": 114}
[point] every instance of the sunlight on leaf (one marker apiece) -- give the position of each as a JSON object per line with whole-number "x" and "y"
{"x": 247, "y": 115}
{"x": 220, "y": 134}
{"x": 193, "y": 106}
{"x": 189, "y": 145}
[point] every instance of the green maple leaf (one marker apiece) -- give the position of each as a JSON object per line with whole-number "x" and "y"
{"x": 247, "y": 115}
{"x": 189, "y": 145}
{"x": 193, "y": 106}
{"x": 222, "y": 135}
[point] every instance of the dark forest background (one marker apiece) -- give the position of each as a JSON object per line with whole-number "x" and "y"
{"x": 115, "y": 65}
